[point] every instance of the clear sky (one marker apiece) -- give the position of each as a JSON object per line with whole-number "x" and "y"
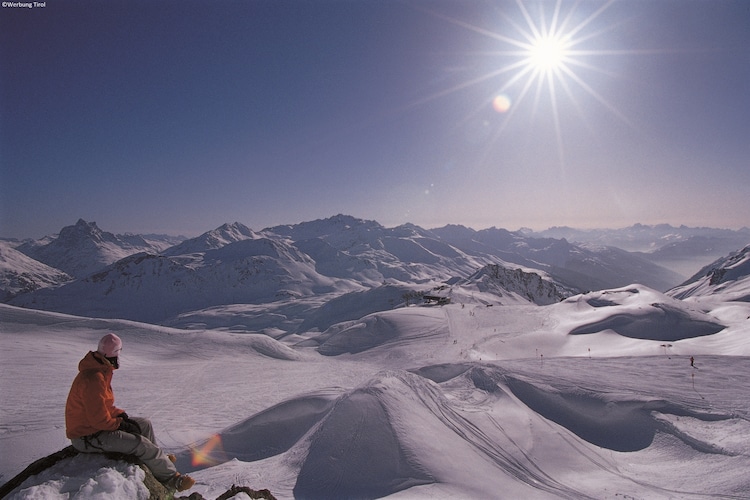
{"x": 176, "y": 116}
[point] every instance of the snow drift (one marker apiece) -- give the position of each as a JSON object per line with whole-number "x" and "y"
{"x": 591, "y": 397}
{"x": 641, "y": 313}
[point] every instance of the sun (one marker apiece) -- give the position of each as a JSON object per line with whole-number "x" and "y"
{"x": 545, "y": 52}
{"x": 548, "y": 54}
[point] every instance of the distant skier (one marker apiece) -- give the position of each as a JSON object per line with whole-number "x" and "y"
{"x": 692, "y": 361}
{"x": 94, "y": 424}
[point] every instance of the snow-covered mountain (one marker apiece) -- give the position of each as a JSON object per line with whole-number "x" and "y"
{"x": 375, "y": 253}
{"x": 647, "y": 238}
{"x": 728, "y": 277}
{"x": 20, "y": 273}
{"x": 235, "y": 265}
{"x": 312, "y": 263}
{"x": 83, "y": 248}
{"x": 461, "y": 251}
{"x": 526, "y": 284}
{"x": 588, "y": 267}
{"x": 153, "y": 288}
{"x": 681, "y": 249}
{"x": 211, "y": 240}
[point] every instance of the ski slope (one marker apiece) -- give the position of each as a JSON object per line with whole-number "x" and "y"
{"x": 458, "y": 401}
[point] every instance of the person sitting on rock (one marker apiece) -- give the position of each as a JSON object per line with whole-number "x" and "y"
{"x": 94, "y": 424}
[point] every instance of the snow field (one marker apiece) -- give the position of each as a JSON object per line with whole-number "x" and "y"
{"x": 460, "y": 401}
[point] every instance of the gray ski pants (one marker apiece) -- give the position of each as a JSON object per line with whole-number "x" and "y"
{"x": 141, "y": 446}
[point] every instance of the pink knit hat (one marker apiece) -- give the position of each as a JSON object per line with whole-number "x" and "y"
{"x": 110, "y": 345}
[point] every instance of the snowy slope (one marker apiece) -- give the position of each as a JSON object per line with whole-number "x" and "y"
{"x": 20, "y": 273}
{"x": 638, "y": 312}
{"x": 356, "y": 389}
{"x": 457, "y": 401}
{"x": 728, "y": 277}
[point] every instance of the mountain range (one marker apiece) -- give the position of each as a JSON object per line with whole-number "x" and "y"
{"x": 681, "y": 249}
{"x": 293, "y": 270}
{"x": 341, "y": 359}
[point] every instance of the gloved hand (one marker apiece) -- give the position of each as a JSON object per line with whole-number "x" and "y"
{"x": 129, "y": 425}
{"x": 123, "y": 416}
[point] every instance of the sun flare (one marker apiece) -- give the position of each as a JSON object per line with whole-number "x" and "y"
{"x": 548, "y": 53}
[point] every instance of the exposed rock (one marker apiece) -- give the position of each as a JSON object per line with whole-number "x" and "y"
{"x": 156, "y": 490}
{"x": 35, "y": 468}
{"x": 533, "y": 286}
{"x": 244, "y": 489}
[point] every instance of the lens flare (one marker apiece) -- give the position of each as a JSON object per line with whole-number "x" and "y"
{"x": 211, "y": 453}
{"x": 501, "y": 103}
{"x": 546, "y": 54}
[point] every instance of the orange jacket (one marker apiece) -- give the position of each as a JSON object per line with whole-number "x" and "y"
{"x": 91, "y": 406}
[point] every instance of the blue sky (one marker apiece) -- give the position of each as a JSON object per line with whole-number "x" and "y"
{"x": 178, "y": 116}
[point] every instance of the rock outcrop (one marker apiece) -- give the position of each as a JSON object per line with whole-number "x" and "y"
{"x": 156, "y": 490}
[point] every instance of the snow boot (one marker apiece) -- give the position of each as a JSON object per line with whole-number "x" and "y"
{"x": 180, "y": 483}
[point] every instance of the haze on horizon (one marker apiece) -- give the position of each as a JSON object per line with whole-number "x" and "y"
{"x": 176, "y": 117}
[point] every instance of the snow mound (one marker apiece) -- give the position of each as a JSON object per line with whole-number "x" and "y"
{"x": 266, "y": 434}
{"x": 356, "y": 452}
{"x": 392, "y": 434}
{"x": 72, "y": 479}
{"x": 265, "y": 345}
{"x": 614, "y": 425}
{"x": 638, "y": 312}
{"x": 354, "y": 305}
{"x": 402, "y": 326}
